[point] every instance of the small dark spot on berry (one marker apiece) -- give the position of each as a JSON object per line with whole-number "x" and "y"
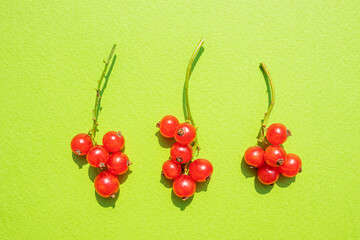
{"x": 179, "y": 159}
{"x": 181, "y": 132}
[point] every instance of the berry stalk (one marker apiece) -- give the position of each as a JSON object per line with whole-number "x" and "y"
{"x": 271, "y": 105}
{"x": 95, "y": 112}
{"x": 189, "y": 117}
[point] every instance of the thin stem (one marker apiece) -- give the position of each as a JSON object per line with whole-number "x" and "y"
{"x": 187, "y": 102}
{"x": 272, "y": 102}
{"x": 95, "y": 116}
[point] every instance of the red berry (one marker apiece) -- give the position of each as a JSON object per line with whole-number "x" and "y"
{"x": 81, "y": 144}
{"x": 277, "y": 133}
{"x": 200, "y": 170}
{"x": 275, "y": 155}
{"x": 268, "y": 175}
{"x": 185, "y": 133}
{"x": 291, "y": 166}
{"x": 181, "y": 153}
{"x": 113, "y": 141}
{"x": 254, "y": 156}
{"x": 118, "y": 163}
{"x": 184, "y": 186}
{"x": 168, "y": 126}
{"x": 97, "y": 156}
{"x": 106, "y": 184}
{"x": 171, "y": 169}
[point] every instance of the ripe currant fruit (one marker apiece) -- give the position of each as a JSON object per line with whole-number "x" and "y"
{"x": 181, "y": 153}
{"x": 254, "y": 156}
{"x": 275, "y": 155}
{"x": 268, "y": 175}
{"x": 97, "y": 156}
{"x": 292, "y": 165}
{"x": 200, "y": 170}
{"x": 184, "y": 186}
{"x": 106, "y": 184}
{"x": 171, "y": 169}
{"x": 113, "y": 141}
{"x": 118, "y": 163}
{"x": 185, "y": 133}
{"x": 277, "y": 133}
{"x": 168, "y": 125}
{"x": 81, "y": 144}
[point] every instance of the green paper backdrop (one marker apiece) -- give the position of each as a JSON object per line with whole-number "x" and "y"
{"x": 51, "y": 57}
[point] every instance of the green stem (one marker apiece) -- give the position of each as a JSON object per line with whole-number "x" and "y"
{"x": 95, "y": 116}
{"x": 272, "y": 102}
{"x": 187, "y": 104}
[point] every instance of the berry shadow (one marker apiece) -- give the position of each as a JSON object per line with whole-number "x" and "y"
{"x": 178, "y": 202}
{"x": 284, "y": 182}
{"x": 163, "y": 141}
{"x": 192, "y": 68}
{"x": 202, "y": 186}
{"x": 79, "y": 160}
{"x": 247, "y": 170}
{"x": 107, "y": 202}
{"x": 261, "y": 188}
{"x": 166, "y": 182}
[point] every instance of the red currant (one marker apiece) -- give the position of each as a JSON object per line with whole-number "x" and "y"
{"x": 97, "y": 156}
{"x": 113, "y": 141}
{"x": 185, "y": 133}
{"x": 268, "y": 175}
{"x": 168, "y": 126}
{"x": 171, "y": 169}
{"x": 118, "y": 163}
{"x": 181, "y": 153}
{"x": 184, "y": 186}
{"x": 254, "y": 156}
{"x": 81, "y": 144}
{"x": 106, "y": 184}
{"x": 291, "y": 166}
{"x": 200, "y": 170}
{"x": 277, "y": 133}
{"x": 275, "y": 155}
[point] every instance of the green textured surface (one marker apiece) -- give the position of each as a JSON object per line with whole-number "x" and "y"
{"x": 51, "y": 53}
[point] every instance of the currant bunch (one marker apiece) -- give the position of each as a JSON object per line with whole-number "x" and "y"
{"x": 180, "y": 167}
{"x": 269, "y": 156}
{"x": 107, "y": 157}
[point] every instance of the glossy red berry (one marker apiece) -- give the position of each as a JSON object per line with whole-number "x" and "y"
{"x": 181, "y": 153}
{"x": 184, "y": 186}
{"x": 81, "y": 144}
{"x": 97, "y": 156}
{"x": 171, "y": 169}
{"x": 275, "y": 155}
{"x": 168, "y": 126}
{"x": 200, "y": 170}
{"x": 277, "y": 133}
{"x": 185, "y": 133}
{"x": 118, "y": 163}
{"x": 254, "y": 156}
{"x": 113, "y": 141}
{"x": 106, "y": 184}
{"x": 291, "y": 166}
{"x": 268, "y": 175}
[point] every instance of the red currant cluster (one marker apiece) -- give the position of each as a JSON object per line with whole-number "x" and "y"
{"x": 179, "y": 166}
{"x": 273, "y": 160}
{"x": 106, "y": 157}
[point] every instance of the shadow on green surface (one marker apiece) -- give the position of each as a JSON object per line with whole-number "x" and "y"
{"x": 163, "y": 141}
{"x": 192, "y": 68}
{"x": 202, "y": 186}
{"x": 166, "y": 182}
{"x": 79, "y": 160}
{"x": 284, "y": 182}
{"x": 107, "y": 202}
{"x": 178, "y": 202}
{"x": 246, "y": 170}
{"x": 261, "y": 188}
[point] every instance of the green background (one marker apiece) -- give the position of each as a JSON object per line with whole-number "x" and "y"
{"x": 51, "y": 57}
